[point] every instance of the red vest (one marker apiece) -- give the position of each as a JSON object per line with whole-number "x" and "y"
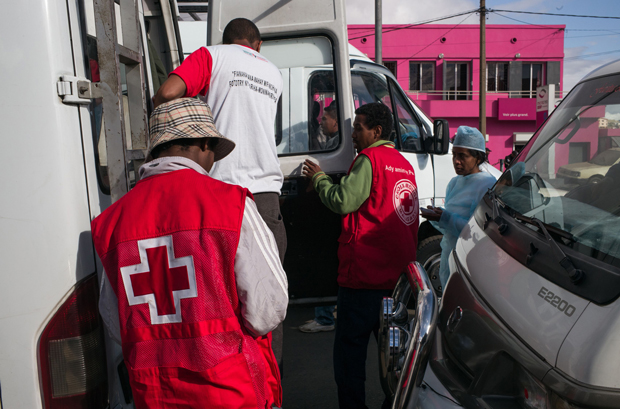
{"x": 168, "y": 248}
{"x": 381, "y": 237}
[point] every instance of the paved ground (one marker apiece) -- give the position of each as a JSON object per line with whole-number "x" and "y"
{"x": 308, "y": 370}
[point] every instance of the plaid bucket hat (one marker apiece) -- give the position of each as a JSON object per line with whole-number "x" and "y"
{"x": 186, "y": 118}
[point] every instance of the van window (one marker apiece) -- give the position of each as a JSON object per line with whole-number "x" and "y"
{"x": 369, "y": 88}
{"x": 307, "y": 118}
{"x": 406, "y": 125}
{"x": 322, "y": 112}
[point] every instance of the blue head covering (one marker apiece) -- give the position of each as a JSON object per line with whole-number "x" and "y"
{"x": 470, "y": 138}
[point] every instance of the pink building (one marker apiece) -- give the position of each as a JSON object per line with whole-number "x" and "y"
{"x": 439, "y": 67}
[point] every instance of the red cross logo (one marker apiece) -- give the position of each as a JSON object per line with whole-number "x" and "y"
{"x": 407, "y": 202}
{"x": 160, "y": 280}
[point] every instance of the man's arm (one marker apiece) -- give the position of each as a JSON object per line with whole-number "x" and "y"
{"x": 351, "y": 193}
{"x": 191, "y": 78}
{"x": 173, "y": 88}
{"x": 262, "y": 285}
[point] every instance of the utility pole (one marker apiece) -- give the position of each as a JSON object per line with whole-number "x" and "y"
{"x": 378, "y": 28}
{"x": 483, "y": 70}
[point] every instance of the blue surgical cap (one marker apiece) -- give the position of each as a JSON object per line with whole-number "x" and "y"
{"x": 470, "y": 138}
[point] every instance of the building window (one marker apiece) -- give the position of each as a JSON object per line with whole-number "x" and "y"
{"x": 390, "y": 65}
{"x": 497, "y": 76}
{"x": 531, "y": 77}
{"x": 421, "y": 76}
{"x": 457, "y": 80}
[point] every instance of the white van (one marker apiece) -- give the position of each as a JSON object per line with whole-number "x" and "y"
{"x": 79, "y": 77}
{"x": 530, "y": 317}
{"x": 306, "y": 59}
{"x": 77, "y": 86}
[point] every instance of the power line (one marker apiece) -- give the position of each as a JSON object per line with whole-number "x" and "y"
{"x": 612, "y": 33}
{"x": 514, "y": 19}
{"x": 554, "y": 14}
{"x": 429, "y": 44}
{"x": 370, "y": 34}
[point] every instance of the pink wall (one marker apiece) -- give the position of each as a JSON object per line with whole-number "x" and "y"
{"x": 461, "y": 43}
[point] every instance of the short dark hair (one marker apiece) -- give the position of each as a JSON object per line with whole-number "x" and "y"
{"x": 241, "y": 29}
{"x": 332, "y": 110}
{"x": 377, "y": 114}
{"x": 480, "y": 156}
{"x": 184, "y": 144}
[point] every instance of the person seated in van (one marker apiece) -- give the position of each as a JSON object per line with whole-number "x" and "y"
{"x": 463, "y": 193}
{"x": 314, "y": 126}
{"x": 192, "y": 284}
{"x": 328, "y": 138}
{"x": 378, "y": 201}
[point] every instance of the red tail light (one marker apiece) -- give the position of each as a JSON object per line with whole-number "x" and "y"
{"x": 72, "y": 352}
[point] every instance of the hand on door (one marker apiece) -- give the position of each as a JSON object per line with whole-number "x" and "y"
{"x": 310, "y": 169}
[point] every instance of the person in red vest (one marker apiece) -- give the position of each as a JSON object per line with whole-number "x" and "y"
{"x": 378, "y": 200}
{"x": 193, "y": 282}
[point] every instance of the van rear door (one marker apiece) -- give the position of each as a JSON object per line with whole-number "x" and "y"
{"x": 122, "y": 52}
{"x": 308, "y": 42}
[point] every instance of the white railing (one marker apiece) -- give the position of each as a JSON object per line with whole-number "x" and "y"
{"x": 468, "y": 95}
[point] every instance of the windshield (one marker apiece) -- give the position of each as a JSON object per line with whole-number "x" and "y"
{"x": 554, "y": 179}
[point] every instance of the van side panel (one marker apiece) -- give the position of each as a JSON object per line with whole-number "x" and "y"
{"x": 45, "y": 245}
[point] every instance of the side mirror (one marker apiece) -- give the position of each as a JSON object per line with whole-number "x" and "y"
{"x": 441, "y": 137}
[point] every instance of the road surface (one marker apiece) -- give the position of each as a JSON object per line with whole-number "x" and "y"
{"x": 308, "y": 380}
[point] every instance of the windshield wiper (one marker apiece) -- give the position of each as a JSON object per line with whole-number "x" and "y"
{"x": 575, "y": 274}
{"x": 502, "y": 226}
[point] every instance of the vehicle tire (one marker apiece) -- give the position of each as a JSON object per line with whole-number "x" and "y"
{"x": 429, "y": 256}
{"x": 595, "y": 179}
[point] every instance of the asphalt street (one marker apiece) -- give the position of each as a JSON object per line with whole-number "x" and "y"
{"x": 308, "y": 380}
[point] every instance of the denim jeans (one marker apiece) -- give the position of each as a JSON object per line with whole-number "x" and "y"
{"x": 324, "y": 315}
{"x": 358, "y": 317}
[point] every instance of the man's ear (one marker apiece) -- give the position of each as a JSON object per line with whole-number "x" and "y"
{"x": 378, "y": 130}
{"x": 203, "y": 144}
{"x": 257, "y": 48}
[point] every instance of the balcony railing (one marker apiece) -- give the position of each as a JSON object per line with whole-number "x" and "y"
{"x": 468, "y": 95}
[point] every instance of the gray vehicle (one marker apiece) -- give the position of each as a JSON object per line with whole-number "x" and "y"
{"x": 530, "y": 317}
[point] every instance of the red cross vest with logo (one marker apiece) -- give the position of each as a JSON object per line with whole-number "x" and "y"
{"x": 168, "y": 248}
{"x": 380, "y": 238}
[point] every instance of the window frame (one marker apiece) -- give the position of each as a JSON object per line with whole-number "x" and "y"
{"x": 421, "y": 75}
{"x": 543, "y": 74}
{"x": 496, "y": 64}
{"x": 447, "y": 93}
{"x": 309, "y": 94}
{"x": 336, "y": 87}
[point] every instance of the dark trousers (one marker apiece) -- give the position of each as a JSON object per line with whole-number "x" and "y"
{"x": 268, "y": 205}
{"x": 358, "y": 317}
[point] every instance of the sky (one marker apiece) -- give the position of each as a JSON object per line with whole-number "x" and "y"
{"x": 588, "y": 42}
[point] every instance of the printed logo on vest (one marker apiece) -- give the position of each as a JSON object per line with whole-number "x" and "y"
{"x": 405, "y": 201}
{"x": 160, "y": 280}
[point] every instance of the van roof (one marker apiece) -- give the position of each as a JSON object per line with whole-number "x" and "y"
{"x": 356, "y": 54}
{"x": 607, "y": 69}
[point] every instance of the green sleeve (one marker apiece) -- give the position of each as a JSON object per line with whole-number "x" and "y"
{"x": 352, "y": 191}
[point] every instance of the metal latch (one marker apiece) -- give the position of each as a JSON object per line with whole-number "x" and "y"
{"x": 76, "y": 90}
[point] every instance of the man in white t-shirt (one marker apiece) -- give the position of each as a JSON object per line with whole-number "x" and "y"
{"x": 242, "y": 88}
